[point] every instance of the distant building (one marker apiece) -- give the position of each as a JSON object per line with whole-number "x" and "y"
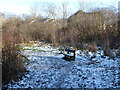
{"x": 47, "y": 21}
{"x": 80, "y": 16}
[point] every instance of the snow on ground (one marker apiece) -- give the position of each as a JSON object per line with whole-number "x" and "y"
{"x": 48, "y": 70}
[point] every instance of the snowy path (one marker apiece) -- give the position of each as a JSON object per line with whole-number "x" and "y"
{"x": 49, "y": 70}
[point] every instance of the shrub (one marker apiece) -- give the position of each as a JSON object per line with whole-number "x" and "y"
{"x": 12, "y": 63}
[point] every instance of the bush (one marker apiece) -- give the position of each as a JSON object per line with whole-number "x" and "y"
{"x": 12, "y": 63}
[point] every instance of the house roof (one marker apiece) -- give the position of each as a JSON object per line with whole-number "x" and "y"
{"x": 78, "y": 12}
{"x": 82, "y": 12}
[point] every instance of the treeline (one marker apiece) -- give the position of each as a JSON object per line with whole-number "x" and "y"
{"x": 99, "y": 26}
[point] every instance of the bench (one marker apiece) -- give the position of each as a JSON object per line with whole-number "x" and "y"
{"x": 68, "y": 56}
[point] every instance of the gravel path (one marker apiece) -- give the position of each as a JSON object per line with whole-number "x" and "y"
{"x": 48, "y": 70}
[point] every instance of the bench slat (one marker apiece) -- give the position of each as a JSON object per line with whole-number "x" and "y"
{"x": 67, "y": 54}
{"x": 70, "y": 50}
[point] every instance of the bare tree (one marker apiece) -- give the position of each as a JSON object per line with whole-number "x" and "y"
{"x": 49, "y": 9}
{"x": 63, "y": 13}
{"x": 85, "y": 6}
{"x": 35, "y": 10}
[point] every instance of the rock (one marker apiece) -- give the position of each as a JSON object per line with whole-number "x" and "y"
{"x": 93, "y": 78}
{"x": 102, "y": 56}
{"x": 79, "y": 75}
{"x": 84, "y": 77}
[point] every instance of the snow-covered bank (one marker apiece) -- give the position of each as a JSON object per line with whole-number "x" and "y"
{"x": 47, "y": 69}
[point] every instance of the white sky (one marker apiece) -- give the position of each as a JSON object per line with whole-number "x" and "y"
{"x": 23, "y": 6}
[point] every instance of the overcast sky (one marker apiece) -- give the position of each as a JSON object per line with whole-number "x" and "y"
{"x": 23, "y": 6}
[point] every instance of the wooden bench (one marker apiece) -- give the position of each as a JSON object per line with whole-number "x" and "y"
{"x": 68, "y": 56}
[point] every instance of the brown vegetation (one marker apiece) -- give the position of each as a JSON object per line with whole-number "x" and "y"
{"x": 99, "y": 26}
{"x": 12, "y": 63}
